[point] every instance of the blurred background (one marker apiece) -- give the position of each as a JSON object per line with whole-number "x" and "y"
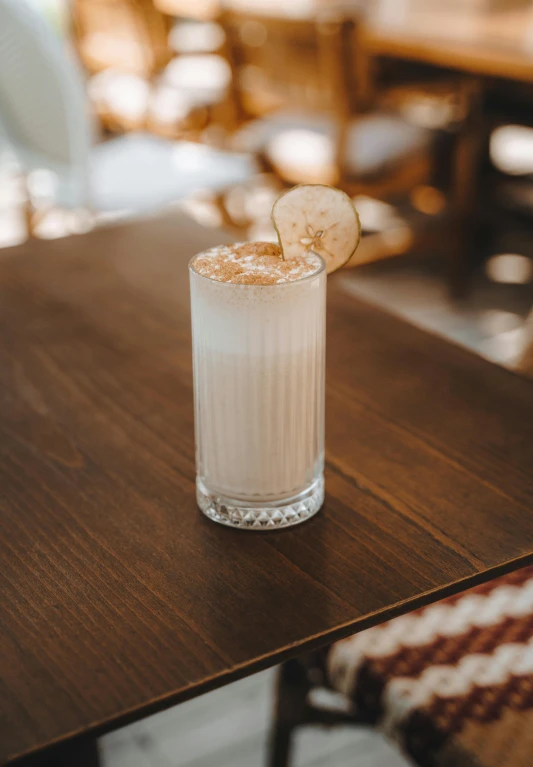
{"x": 421, "y": 110}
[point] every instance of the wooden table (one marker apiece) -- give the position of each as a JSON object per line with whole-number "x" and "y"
{"x": 495, "y": 42}
{"x": 118, "y": 598}
{"x": 463, "y": 35}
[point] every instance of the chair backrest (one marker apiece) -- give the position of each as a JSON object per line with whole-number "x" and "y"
{"x": 525, "y": 361}
{"x": 302, "y": 63}
{"x": 129, "y": 34}
{"x": 42, "y": 97}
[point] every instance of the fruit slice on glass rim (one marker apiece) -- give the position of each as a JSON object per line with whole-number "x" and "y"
{"x": 320, "y": 219}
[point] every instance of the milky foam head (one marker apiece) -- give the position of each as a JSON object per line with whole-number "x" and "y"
{"x": 245, "y": 317}
{"x": 254, "y": 263}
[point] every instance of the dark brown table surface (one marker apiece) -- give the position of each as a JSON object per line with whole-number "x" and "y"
{"x": 117, "y": 596}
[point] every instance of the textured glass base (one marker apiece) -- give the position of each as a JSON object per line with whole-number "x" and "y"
{"x": 258, "y": 516}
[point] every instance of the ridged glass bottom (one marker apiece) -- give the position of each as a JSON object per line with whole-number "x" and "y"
{"x": 261, "y": 516}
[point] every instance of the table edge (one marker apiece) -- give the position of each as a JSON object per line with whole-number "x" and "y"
{"x": 263, "y": 662}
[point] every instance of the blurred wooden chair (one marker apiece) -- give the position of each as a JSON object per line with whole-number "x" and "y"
{"x": 44, "y": 119}
{"x": 123, "y": 46}
{"x": 300, "y": 89}
{"x": 525, "y": 362}
{"x": 137, "y": 81}
{"x": 199, "y": 75}
{"x": 316, "y": 109}
{"x": 449, "y": 684}
{"x": 129, "y": 35}
{"x": 495, "y": 173}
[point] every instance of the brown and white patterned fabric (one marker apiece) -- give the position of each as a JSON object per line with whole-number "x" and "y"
{"x": 452, "y": 683}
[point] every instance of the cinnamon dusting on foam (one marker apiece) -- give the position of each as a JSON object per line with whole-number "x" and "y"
{"x": 254, "y": 263}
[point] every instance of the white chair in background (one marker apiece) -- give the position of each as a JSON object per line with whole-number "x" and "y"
{"x": 44, "y": 113}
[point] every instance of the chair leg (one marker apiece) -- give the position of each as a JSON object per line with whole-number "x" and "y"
{"x": 80, "y": 753}
{"x": 280, "y": 748}
{"x": 29, "y": 211}
{"x": 32, "y": 214}
{"x": 292, "y": 687}
{"x": 470, "y": 155}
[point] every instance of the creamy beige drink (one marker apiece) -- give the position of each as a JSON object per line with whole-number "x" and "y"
{"x": 258, "y": 351}
{"x": 258, "y": 325}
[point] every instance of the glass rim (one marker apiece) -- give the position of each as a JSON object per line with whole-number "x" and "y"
{"x": 318, "y": 272}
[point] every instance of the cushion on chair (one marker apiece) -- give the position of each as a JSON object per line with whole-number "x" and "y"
{"x": 142, "y": 173}
{"x": 451, "y": 683}
{"x": 303, "y": 145}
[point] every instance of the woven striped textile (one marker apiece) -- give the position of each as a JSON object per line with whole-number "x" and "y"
{"x": 452, "y": 683}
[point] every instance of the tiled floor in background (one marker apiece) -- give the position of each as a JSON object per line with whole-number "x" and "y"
{"x": 491, "y": 321}
{"x": 229, "y": 728}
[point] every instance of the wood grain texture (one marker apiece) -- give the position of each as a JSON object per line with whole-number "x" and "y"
{"x": 117, "y": 596}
